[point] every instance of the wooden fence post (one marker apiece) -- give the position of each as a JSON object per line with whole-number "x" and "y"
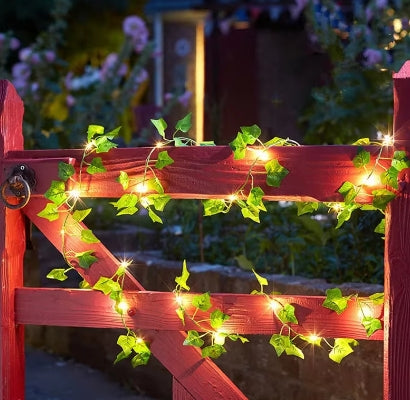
{"x": 12, "y": 246}
{"x": 397, "y": 257}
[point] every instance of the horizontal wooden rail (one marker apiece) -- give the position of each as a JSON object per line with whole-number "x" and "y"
{"x": 211, "y": 172}
{"x": 249, "y": 314}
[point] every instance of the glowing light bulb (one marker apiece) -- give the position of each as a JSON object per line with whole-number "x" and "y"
{"x": 125, "y": 264}
{"x": 274, "y": 305}
{"x": 232, "y": 198}
{"x": 74, "y": 194}
{"x": 371, "y": 180}
{"x": 388, "y": 140}
{"x": 139, "y": 340}
{"x": 62, "y": 232}
{"x": 159, "y": 144}
{"x": 336, "y": 207}
{"x": 89, "y": 146}
{"x": 261, "y": 154}
{"x": 314, "y": 339}
{"x": 179, "y": 300}
{"x": 219, "y": 337}
{"x": 141, "y": 187}
{"x": 123, "y": 306}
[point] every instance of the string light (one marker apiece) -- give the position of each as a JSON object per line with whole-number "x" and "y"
{"x": 388, "y": 140}
{"x": 371, "y": 180}
{"x": 159, "y": 144}
{"x": 274, "y": 305}
{"x": 89, "y": 146}
{"x": 233, "y": 197}
{"x": 74, "y": 194}
{"x": 123, "y": 306}
{"x": 141, "y": 187}
{"x": 261, "y": 154}
{"x": 336, "y": 207}
{"x": 179, "y": 300}
{"x": 219, "y": 337}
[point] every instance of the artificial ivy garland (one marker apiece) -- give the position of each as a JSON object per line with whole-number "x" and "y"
{"x": 149, "y": 194}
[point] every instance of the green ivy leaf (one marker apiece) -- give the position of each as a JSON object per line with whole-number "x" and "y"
{"x": 103, "y": 144}
{"x": 127, "y": 211}
{"x": 335, "y": 300}
{"x": 362, "y": 142}
{"x": 56, "y": 192}
{"x": 58, "y": 274}
{"x": 49, "y": 212}
{"x": 251, "y": 212}
{"x": 96, "y": 166}
{"x": 389, "y": 177}
{"x": 124, "y": 180}
{"x": 184, "y": 124}
{"x": 314, "y": 340}
{"x": 107, "y": 285}
{"x": 345, "y": 214}
{"x": 65, "y": 171}
{"x": 287, "y": 314}
{"x": 155, "y": 185}
{"x": 262, "y": 281}
{"x": 244, "y": 263}
{"x": 213, "y": 206}
{"x": 182, "y": 280}
{"x": 382, "y": 197}
{"x": 160, "y": 126}
{"x": 159, "y": 201}
{"x": 371, "y": 325}
{"x": 140, "y": 359}
{"x": 214, "y": 351}
{"x": 255, "y": 198}
{"x": 400, "y": 160}
{"x": 276, "y": 173}
{"x": 193, "y": 339}
{"x": 349, "y": 192}
{"x": 217, "y": 318}
{"x": 154, "y": 217}
{"x": 341, "y": 349}
{"x": 381, "y": 227}
{"x": 234, "y": 337}
{"x": 180, "y": 142}
{"x": 282, "y": 343}
{"x": 181, "y": 314}
{"x": 88, "y": 236}
{"x": 306, "y": 207}
{"x": 163, "y": 160}
{"x": 207, "y": 143}
{"x": 114, "y": 133}
{"x": 86, "y": 259}
{"x": 84, "y": 285}
{"x": 202, "y": 301}
{"x": 79, "y": 215}
{"x": 275, "y": 141}
{"x": 238, "y": 146}
{"x": 94, "y": 130}
{"x": 250, "y": 133}
{"x": 125, "y": 201}
{"x": 362, "y": 158}
{"x": 377, "y": 298}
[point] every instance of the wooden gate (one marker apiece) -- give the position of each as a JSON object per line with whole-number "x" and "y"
{"x": 316, "y": 172}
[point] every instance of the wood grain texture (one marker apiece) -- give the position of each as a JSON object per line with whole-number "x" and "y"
{"x": 397, "y": 256}
{"x": 12, "y": 247}
{"x": 316, "y": 172}
{"x": 183, "y": 362}
{"x": 179, "y": 392}
{"x": 249, "y": 314}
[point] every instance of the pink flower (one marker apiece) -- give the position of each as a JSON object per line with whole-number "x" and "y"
{"x": 372, "y": 57}
{"x": 70, "y": 100}
{"x": 50, "y": 56}
{"x": 68, "y": 80}
{"x": 184, "y": 98}
{"x": 21, "y": 71}
{"x": 109, "y": 63}
{"x": 135, "y": 28}
{"x": 14, "y": 43}
{"x": 25, "y": 54}
{"x": 142, "y": 76}
{"x": 168, "y": 96}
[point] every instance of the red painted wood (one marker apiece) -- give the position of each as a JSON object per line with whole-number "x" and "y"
{"x": 179, "y": 392}
{"x": 249, "y": 314}
{"x": 165, "y": 345}
{"x": 397, "y": 255}
{"x": 12, "y": 246}
{"x": 210, "y": 172}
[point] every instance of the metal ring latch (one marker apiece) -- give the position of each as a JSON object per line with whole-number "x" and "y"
{"x": 19, "y": 184}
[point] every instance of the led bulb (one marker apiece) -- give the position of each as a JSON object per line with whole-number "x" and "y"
{"x": 219, "y": 338}
{"x": 123, "y": 306}
{"x": 141, "y": 187}
{"x": 388, "y": 140}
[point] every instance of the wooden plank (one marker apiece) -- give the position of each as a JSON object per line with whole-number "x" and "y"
{"x": 316, "y": 172}
{"x": 181, "y": 361}
{"x": 179, "y": 392}
{"x": 12, "y": 247}
{"x": 397, "y": 255}
{"x": 249, "y": 314}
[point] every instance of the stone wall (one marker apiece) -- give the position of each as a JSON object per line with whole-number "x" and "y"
{"x": 254, "y": 366}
